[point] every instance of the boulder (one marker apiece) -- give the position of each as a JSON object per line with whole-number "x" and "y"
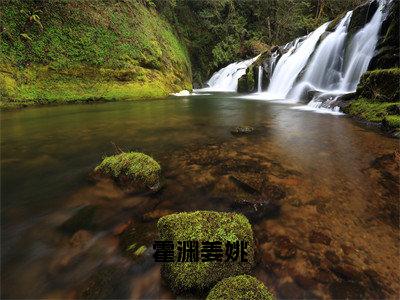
{"x": 240, "y": 287}
{"x": 380, "y": 85}
{"x": 201, "y": 226}
{"x": 134, "y": 172}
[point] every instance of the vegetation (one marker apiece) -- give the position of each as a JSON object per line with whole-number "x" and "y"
{"x": 377, "y": 98}
{"x": 204, "y": 226}
{"x": 240, "y": 287}
{"x": 132, "y": 167}
{"x": 66, "y": 51}
{"x": 219, "y": 32}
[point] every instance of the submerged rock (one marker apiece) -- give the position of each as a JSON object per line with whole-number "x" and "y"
{"x": 82, "y": 219}
{"x": 242, "y": 130}
{"x": 203, "y": 226}
{"x": 134, "y": 172}
{"x": 240, "y": 287}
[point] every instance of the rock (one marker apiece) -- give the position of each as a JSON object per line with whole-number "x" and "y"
{"x": 259, "y": 200}
{"x": 347, "y": 290}
{"x": 242, "y": 130}
{"x": 136, "y": 238}
{"x": 80, "y": 239}
{"x": 204, "y": 226}
{"x": 290, "y": 290}
{"x": 134, "y": 172}
{"x": 347, "y": 272}
{"x": 332, "y": 257}
{"x": 304, "y": 281}
{"x": 387, "y": 49}
{"x": 323, "y": 276}
{"x": 361, "y": 16}
{"x": 240, "y": 287}
{"x": 105, "y": 283}
{"x": 82, "y": 219}
{"x": 122, "y": 227}
{"x": 156, "y": 214}
{"x": 380, "y": 85}
{"x": 319, "y": 237}
{"x": 284, "y": 247}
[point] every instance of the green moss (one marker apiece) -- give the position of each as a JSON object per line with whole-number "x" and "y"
{"x": 240, "y": 287}
{"x": 370, "y": 110}
{"x": 85, "y": 51}
{"x": 135, "y": 166}
{"x": 204, "y": 226}
{"x": 392, "y": 121}
{"x": 380, "y": 85}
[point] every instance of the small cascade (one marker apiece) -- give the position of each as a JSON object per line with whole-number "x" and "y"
{"x": 226, "y": 79}
{"x": 291, "y": 63}
{"x": 273, "y": 59}
{"x": 259, "y": 83}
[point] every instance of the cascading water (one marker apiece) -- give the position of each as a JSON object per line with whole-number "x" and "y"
{"x": 259, "y": 83}
{"x": 336, "y": 69}
{"x": 291, "y": 63}
{"x": 226, "y": 79}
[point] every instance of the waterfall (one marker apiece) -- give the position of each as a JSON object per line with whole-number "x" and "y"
{"x": 336, "y": 69}
{"x": 259, "y": 83}
{"x": 291, "y": 64}
{"x": 226, "y": 79}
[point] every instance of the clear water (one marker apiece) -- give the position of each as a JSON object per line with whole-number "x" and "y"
{"x": 323, "y": 162}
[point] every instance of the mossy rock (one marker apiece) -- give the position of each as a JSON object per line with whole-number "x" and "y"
{"x": 380, "y": 85}
{"x": 240, "y": 287}
{"x": 132, "y": 171}
{"x": 247, "y": 83}
{"x": 199, "y": 277}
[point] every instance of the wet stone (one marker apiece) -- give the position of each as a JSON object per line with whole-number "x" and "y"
{"x": 347, "y": 272}
{"x": 284, "y": 247}
{"x": 306, "y": 282}
{"x": 347, "y": 290}
{"x": 332, "y": 257}
{"x": 290, "y": 290}
{"x": 319, "y": 238}
{"x": 242, "y": 130}
{"x": 323, "y": 276}
{"x": 82, "y": 219}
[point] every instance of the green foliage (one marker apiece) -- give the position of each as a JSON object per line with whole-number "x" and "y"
{"x": 135, "y": 165}
{"x": 204, "y": 226}
{"x": 221, "y": 30}
{"x": 240, "y": 287}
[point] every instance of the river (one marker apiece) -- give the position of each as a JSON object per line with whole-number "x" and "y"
{"x": 339, "y": 207}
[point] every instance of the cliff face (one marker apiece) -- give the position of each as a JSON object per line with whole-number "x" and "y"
{"x": 88, "y": 50}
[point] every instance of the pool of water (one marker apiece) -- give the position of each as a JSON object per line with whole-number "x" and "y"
{"x": 339, "y": 210}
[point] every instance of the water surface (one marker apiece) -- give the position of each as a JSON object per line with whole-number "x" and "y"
{"x": 337, "y": 177}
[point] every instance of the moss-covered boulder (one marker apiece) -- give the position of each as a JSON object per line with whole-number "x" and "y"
{"x": 240, "y": 287}
{"x": 204, "y": 226}
{"x": 132, "y": 171}
{"x": 381, "y": 85}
